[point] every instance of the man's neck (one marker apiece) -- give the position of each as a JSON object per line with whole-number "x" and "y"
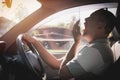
{"x": 90, "y": 39}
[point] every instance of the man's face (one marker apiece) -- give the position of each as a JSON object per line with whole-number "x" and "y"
{"x": 89, "y": 26}
{"x": 93, "y": 27}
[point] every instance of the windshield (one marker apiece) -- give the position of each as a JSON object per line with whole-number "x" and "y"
{"x": 17, "y": 12}
{"x": 55, "y": 32}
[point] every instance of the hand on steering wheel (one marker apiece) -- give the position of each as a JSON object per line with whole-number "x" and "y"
{"x": 30, "y": 57}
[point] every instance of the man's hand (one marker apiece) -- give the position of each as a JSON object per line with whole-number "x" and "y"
{"x": 28, "y": 38}
{"x": 76, "y": 32}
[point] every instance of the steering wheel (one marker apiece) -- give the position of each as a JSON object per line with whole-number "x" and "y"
{"x": 30, "y": 56}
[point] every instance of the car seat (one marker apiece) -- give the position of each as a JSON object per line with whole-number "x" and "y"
{"x": 113, "y": 71}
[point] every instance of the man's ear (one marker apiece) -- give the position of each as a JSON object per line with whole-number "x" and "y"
{"x": 101, "y": 25}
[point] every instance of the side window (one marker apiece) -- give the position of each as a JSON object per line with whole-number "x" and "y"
{"x": 55, "y": 32}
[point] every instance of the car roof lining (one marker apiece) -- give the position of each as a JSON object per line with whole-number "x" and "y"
{"x": 51, "y": 4}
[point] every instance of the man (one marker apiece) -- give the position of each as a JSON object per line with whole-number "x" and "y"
{"x": 94, "y": 58}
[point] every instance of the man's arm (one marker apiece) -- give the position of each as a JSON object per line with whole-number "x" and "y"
{"x": 45, "y": 55}
{"x": 70, "y": 55}
{"x": 64, "y": 71}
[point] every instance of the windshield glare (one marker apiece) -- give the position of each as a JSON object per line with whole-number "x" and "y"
{"x": 20, "y": 9}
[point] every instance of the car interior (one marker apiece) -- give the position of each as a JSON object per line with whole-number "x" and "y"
{"x": 51, "y": 23}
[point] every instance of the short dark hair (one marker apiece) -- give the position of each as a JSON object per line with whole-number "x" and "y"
{"x": 103, "y": 15}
